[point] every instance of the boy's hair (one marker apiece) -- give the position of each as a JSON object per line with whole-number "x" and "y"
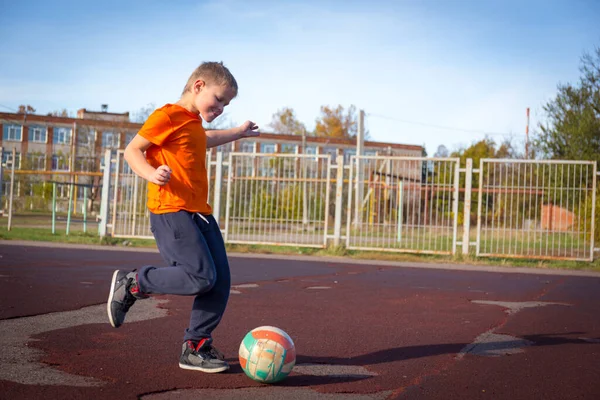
{"x": 212, "y": 72}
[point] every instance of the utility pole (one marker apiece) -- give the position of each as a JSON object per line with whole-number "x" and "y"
{"x": 304, "y": 160}
{"x": 360, "y": 141}
{"x": 527, "y": 136}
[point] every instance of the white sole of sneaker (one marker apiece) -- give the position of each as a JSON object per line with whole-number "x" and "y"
{"x": 209, "y": 371}
{"x": 110, "y": 298}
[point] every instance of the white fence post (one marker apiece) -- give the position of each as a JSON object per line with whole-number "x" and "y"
{"x": 455, "y": 206}
{"x": 218, "y": 185}
{"x": 594, "y": 188}
{"x": 228, "y": 202}
{"x": 1, "y": 180}
{"x": 467, "y": 207}
{"x": 104, "y": 206}
{"x": 12, "y": 187}
{"x": 339, "y": 187}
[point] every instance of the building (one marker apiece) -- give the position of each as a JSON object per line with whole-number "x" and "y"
{"x": 71, "y": 149}
{"x": 49, "y": 143}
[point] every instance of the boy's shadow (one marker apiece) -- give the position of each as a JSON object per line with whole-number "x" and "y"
{"x": 407, "y": 353}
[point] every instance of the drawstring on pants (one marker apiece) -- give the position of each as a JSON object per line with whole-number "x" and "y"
{"x": 203, "y": 217}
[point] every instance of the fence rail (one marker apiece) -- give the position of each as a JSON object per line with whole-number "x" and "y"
{"x": 536, "y": 209}
{"x": 504, "y": 208}
{"x": 279, "y": 200}
{"x": 403, "y": 204}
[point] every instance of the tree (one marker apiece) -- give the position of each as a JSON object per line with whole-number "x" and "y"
{"x": 284, "y": 121}
{"x": 26, "y": 109}
{"x": 141, "y": 115}
{"x": 572, "y": 126}
{"x": 223, "y": 122}
{"x": 59, "y": 113}
{"x": 337, "y": 122}
{"x": 442, "y": 151}
{"x": 485, "y": 148}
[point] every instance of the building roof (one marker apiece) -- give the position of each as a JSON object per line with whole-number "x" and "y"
{"x": 49, "y": 119}
{"x": 133, "y": 126}
{"x": 83, "y": 113}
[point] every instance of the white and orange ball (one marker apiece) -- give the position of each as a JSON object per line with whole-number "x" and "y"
{"x": 267, "y": 354}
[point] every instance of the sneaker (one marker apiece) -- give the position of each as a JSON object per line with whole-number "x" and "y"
{"x": 124, "y": 291}
{"x": 202, "y": 357}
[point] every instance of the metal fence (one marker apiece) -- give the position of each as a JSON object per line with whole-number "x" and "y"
{"x": 32, "y": 195}
{"x": 536, "y": 209}
{"x": 527, "y": 209}
{"x": 129, "y": 216}
{"x": 278, "y": 199}
{"x": 503, "y": 208}
{"x": 403, "y": 204}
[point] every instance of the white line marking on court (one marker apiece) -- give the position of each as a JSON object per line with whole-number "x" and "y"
{"x": 245, "y": 285}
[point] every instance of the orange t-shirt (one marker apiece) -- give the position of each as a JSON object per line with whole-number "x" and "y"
{"x": 179, "y": 141}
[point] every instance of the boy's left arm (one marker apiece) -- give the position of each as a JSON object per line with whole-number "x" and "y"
{"x": 216, "y": 138}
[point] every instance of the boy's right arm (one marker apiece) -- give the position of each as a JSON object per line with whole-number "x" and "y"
{"x": 134, "y": 155}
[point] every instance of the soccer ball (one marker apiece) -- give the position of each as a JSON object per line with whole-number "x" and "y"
{"x": 267, "y": 354}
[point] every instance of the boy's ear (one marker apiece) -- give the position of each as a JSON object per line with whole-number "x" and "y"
{"x": 199, "y": 85}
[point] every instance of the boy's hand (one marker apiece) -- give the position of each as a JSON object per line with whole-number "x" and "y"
{"x": 248, "y": 129}
{"x": 161, "y": 175}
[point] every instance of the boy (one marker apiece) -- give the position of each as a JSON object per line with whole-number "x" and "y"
{"x": 187, "y": 235}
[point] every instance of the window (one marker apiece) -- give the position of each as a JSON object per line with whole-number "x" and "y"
{"x": 311, "y": 149}
{"x": 12, "y": 133}
{"x": 110, "y": 140}
{"x": 60, "y": 163}
{"x": 348, "y": 153}
{"x": 36, "y": 161}
{"x": 113, "y": 165}
{"x": 267, "y": 148}
{"x": 38, "y": 134}
{"x": 288, "y": 148}
{"x": 129, "y": 137}
{"x": 85, "y": 137}
{"x": 6, "y": 187}
{"x": 330, "y": 150}
{"x": 85, "y": 164}
{"x": 247, "y": 147}
{"x": 6, "y": 159}
{"x": 62, "y": 136}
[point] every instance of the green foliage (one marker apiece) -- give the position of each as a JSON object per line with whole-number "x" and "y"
{"x": 284, "y": 121}
{"x": 485, "y": 148}
{"x": 337, "y": 122}
{"x": 283, "y": 203}
{"x": 571, "y": 130}
{"x": 585, "y": 213}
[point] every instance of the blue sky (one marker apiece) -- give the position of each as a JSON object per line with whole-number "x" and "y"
{"x": 412, "y": 66}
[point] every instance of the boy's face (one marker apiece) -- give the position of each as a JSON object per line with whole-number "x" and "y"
{"x": 211, "y": 99}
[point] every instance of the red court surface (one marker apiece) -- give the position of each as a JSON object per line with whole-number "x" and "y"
{"x": 361, "y": 330}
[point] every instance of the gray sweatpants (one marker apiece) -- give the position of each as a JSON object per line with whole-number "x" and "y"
{"x": 193, "y": 247}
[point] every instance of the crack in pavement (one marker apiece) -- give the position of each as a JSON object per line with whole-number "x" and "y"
{"x": 513, "y": 307}
{"x": 492, "y": 344}
{"x": 20, "y": 362}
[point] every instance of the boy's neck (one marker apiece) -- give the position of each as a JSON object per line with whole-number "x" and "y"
{"x": 187, "y": 101}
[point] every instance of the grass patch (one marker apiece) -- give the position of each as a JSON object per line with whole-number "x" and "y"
{"x": 76, "y": 237}
{"x": 45, "y": 235}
